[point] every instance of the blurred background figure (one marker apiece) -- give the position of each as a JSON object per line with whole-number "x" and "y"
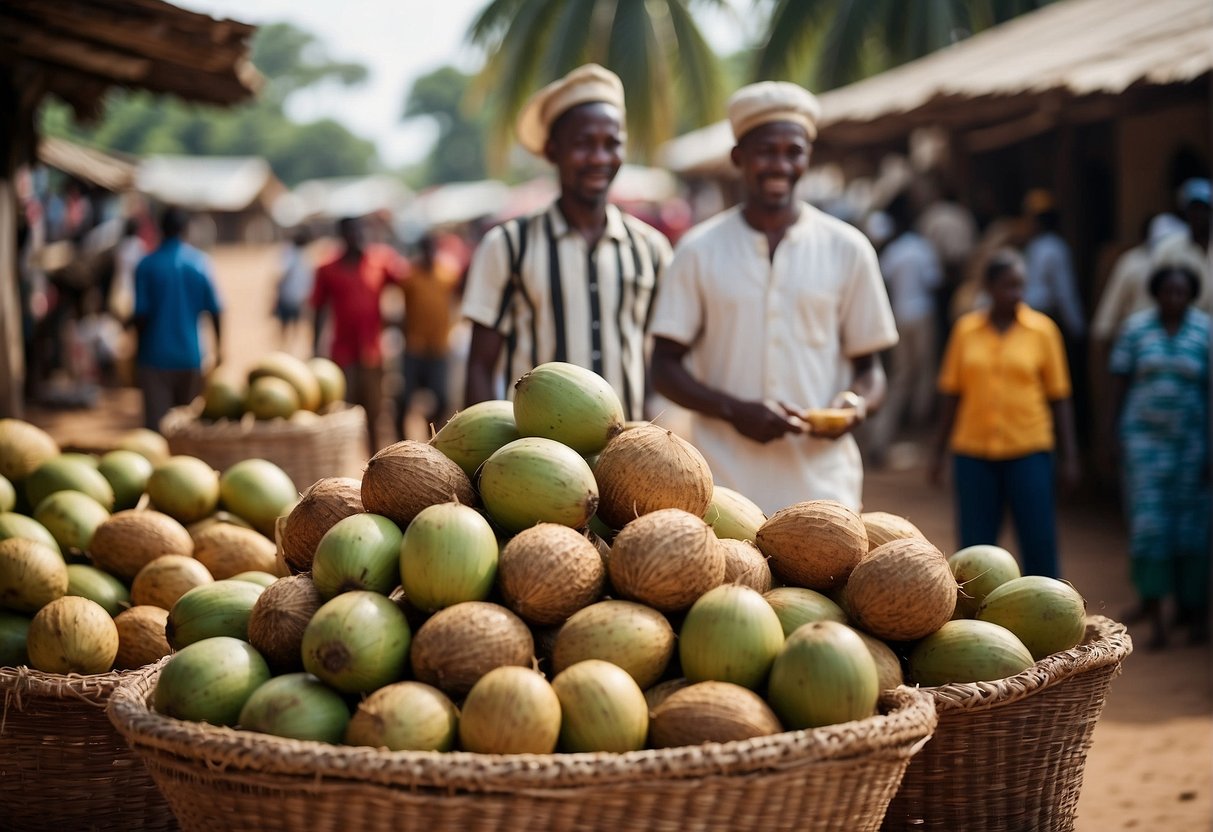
{"x": 1127, "y": 290}
{"x": 1193, "y": 247}
{"x": 1005, "y": 410}
{"x": 174, "y": 287}
{"x": 430, "y": 296}
{"x": 1051, "y": 286}
{"x": 295, "y": 284}
{"x": 127, "y": 254}
{"x": 912, "y": 273}
{"x": 1160, "y": 372}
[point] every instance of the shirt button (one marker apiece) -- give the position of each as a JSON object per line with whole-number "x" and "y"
{"x": 594, "y": 325}
{"x": 596, "y": 355}
{"x": 593, "y": 287}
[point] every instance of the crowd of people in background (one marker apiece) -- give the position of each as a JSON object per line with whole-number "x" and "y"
{"x": 910, "y": 317}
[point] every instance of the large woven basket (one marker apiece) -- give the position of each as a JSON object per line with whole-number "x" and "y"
{"x": 836, "y": 778}
{"x": 62, "y": 763}
{"x": 1009, "y": 755}
{"x": 331, "y": 445}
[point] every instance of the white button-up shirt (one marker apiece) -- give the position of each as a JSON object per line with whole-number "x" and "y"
{"x": 782, "y": 329}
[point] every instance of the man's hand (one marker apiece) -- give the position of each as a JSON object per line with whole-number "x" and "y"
{"x": 764, "y": 421}
{"x": 846, "y": 400}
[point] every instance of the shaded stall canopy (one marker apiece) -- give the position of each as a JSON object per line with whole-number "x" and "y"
{"x": 103, "y": 170}
{"x": 208, "y": 183}
{"x": 331, "y": 198}
{"x": 77, "y": 50}
{"x": 1076, "y": 60}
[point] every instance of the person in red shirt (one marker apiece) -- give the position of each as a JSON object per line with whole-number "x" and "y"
{"x": 349, "y": 289}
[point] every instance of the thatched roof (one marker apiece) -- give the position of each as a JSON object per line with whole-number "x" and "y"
{"x": 77, "y": 49}
{"x": 1010, "y": 81}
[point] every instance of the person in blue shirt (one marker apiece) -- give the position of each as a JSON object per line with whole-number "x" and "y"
{"x": 173, "y": 288}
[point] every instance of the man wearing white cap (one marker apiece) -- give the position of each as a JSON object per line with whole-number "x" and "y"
{"x": 769, "y": 309}
{"x": 576, "y": 281}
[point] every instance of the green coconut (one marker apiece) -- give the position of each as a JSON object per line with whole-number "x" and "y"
{"x": 127, "y": 473}
{"x": 537, "y": 480}
{"x": 361, "y": 551}
{"x": 297, "y": 706}
{"x": 473, "y": 434}
{"x": 97, "y": 586}
{"x": 733, "y": 515}
{"x": 510, "y": 710}
{"x": 262, "y": 579}
{"x": 357, "y": 642}
{"x": 405, "y": 716}
{"x": 147, "y": 443}
{"x": 185, "y": 488}
{"x": 68, "y": 473}
{"x": 632, "y": 636}
{"x": 259, "y": 491}
{"x": 8, "y": 495}
{"x": 448, "y": 555}
{"x": 730, "y": 634}
{"x": 602, "y": 707}
{"x": 293, "y": 371}
{"x": 222, "y": 399}
{"x": 13, "y": 525}
{"x": 966, "y": 650}
{"x": 796, "y": 606}
{"x": 979, "y": 570}
{"x": 220, "y": 608}
{"x": 331, "y": 379}
{"x": 31, "y": 575}
{"x": 72, "y": 635}
{"x": 1046, "y": 614}
{"x": 271, "y": 398}
{"x": 823, "y": 676}
{"x": 71, "y": 517}
{"x": 569, "y": 404}
{"x": 14, "y": 629}
{"x": 210, "y": 681}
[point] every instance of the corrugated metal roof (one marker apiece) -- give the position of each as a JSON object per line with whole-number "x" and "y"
{"x": 92, "y": 166}
{"x": 205, "y": 183}
{"x": 1079, "y": 47}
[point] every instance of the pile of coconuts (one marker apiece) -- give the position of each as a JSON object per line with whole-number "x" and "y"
{"x": 542, "y": 576}
{"x": 129, "y": 555}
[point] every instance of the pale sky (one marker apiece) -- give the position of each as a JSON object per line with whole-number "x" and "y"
{"x": 399, "y": 42}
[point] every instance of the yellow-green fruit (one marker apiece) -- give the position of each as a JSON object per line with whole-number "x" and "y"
{"x": 448, "y": 555}
{"x": 568, "y": 404}
{"x": 68, "y": 473}
{"x": 272, "y": 398}
{"x": 297, "y": 706}
{"x": 632, "y": 636}
{"x": 537, "y": 480}
{"x": 733, "y": 516}
{"x": 13, "y": 525}
{"x": 72, "y": 635}
{"x": 602, "y": 707}
{"x": 360, "y": 552}
{"x": 221, "y": 399}
{"x": 966, "y": 650}
{"x": 71, "y": 517}
{"x": 823, "y": 676}
{"x": 221, "y": 608}
{"x": 259, "y": 491}
{"x": 23, "y": 447}
{"x": 141, "y": 638}
{"x": 510, "y": 710}
{"x": 185, "y": 488}
{"x": 127, "y": 473}
{"x": 14, "y": 631}
{"x": 1046, "y": 614}
{"x": 32, "y": 575}
{"x": 405, "y": 716}
{"x": 8, "y": 495}
{"x": 330, "y": 378}
{"x": 730, "y": 634}
{"x": 210, "y": 681}
{"x": 979, "y": 570}
{"x": 95, "y": 585}
{"x": 164, "y": 580}
{"x": 263, "y": 579}
{"x": 357, "y": 642}
{"x": 292, "y": 370}
{"x": 796, "y": 606}
{"x": 475, "y": 433}
{"x": 147, "y": 443}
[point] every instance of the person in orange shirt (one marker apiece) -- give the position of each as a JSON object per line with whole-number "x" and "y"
{"x": 429, "y": 307}
{"x": 1006, "y": 408}
{"x": 350, "y": 288}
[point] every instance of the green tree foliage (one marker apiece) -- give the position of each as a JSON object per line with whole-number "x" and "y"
{"x": 655, "y": 46}
{"x": 291, "y": 59}
{"x": 458, "y": 155}
{"x": 827, "y": 43}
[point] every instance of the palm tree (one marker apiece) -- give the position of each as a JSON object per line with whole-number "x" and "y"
{"x": 828, "y": 43}
{"x": 667, "y": 67}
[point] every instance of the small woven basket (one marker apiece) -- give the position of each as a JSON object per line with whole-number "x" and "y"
{"x": 62, "y": 764}
{"x": 331, "y": 445}
{"x": 836, "y": 778}
{"x": 1008, "y": 756}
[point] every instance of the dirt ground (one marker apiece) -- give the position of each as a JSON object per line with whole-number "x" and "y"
{"x": 1151, "y": 766}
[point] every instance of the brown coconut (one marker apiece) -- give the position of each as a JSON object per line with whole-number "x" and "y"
{"x": 141, "y": 638}
{"x": 814, "y": 544}
{"x": 318, "y": 510}
{"x": 228, "y": 550}
{"x": 404, "y": 478}
{"x": 167, "y": 578}
{"x": 130, "y": 540}
{"x": 666, "y": 559}
{"x": 903, "y": 590}
{"x": 745, "y": 565}
{"x": 635, "y": 637}
{"x": 888, "y": 666}
{"x": 278, "y": 619}
{"x": 461, "y": 643}
{"x": 646, "y": 469}
{"x": 711, "y": 712}
{"x": 662, "y": 691}
{"x": 548, "y": 572}
{"x": 883, "y": 527}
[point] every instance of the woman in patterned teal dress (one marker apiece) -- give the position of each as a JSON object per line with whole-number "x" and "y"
{"x": 1160, "y": 367}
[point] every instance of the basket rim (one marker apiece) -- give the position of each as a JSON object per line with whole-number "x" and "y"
{"x": 1106, "y": 642}
{"x": 898, "y": 734}
{"x": 21, "y": 681}
{"x": 184, "y": 422}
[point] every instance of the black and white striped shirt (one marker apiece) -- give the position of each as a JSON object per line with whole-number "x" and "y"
{"x": 568, "y": 303}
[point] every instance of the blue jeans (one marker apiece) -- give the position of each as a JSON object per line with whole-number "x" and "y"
{"x": 985, "y": 487}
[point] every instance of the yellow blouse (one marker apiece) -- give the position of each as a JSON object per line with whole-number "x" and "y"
{"x": 1005, "y": 381}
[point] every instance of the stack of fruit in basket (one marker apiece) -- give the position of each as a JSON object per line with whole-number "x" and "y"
{"x": 124, "y": 557}
{"x": 279, "y": 386}
{"x": 541, "y": 576}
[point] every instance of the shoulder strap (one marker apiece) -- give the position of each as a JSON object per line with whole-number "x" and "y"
{"x": 516, "y": 261}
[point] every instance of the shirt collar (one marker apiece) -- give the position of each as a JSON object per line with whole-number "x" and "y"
{"x": 615, "y": 229}
{"x": 1021, "y": 316}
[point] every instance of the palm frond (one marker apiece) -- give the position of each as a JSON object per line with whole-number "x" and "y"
{"x": 633, "y": 52}
{"x": 698, "y": 69}
{"x": 795, "y": 26}
{"x": 568, "y": 49}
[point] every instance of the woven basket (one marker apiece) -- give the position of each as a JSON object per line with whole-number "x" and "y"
{"x": 331, "y": 445}
{"x": 62, "y": 764}
{"x": 1009, "y": 755}
{"x": 835, "y": 778}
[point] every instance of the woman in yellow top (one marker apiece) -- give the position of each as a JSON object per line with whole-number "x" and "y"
{"x": 1006, "y": 407}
